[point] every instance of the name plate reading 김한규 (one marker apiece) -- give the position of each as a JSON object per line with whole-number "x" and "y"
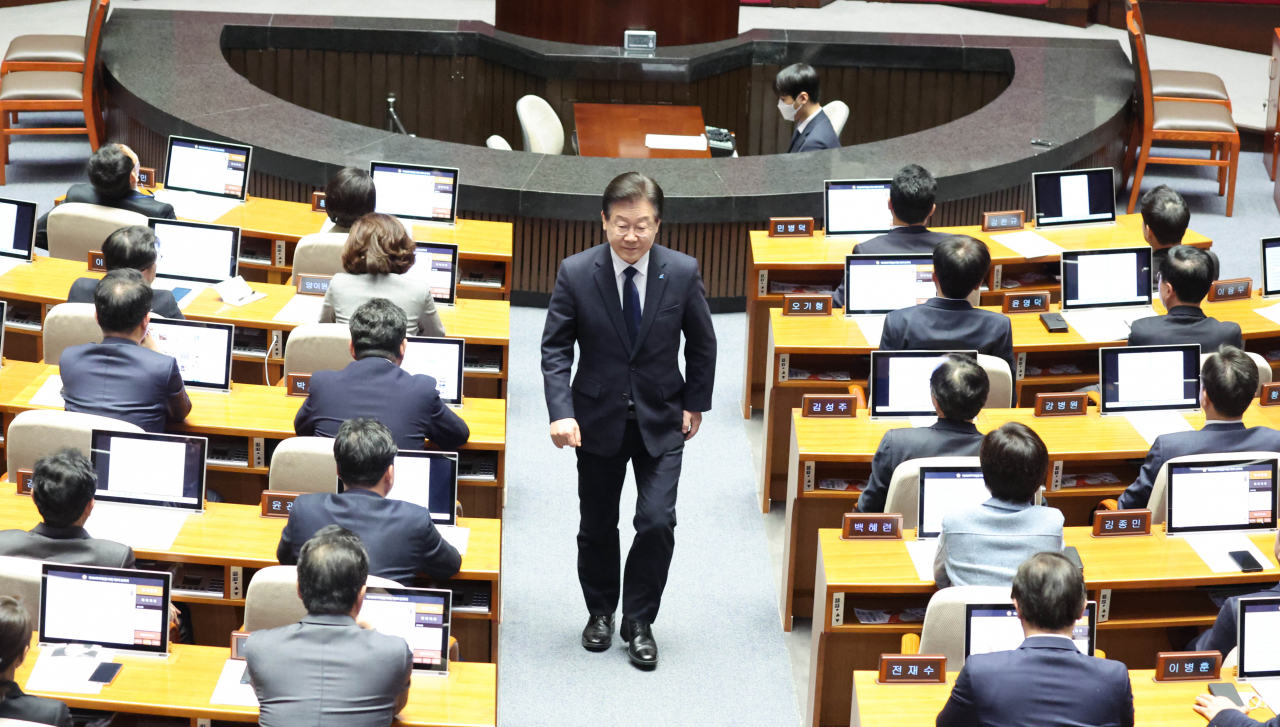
{"x": 806, "y": 304}
{"x": 1188, "y": 666}
{"x": 874, "y": 526}
{"x": 912, "y": 669}
{"x": 1107, "y": 523}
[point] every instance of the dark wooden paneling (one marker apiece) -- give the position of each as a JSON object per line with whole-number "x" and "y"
{"x": 590, "y": 22}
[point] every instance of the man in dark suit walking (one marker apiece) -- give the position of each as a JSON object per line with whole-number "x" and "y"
{"x": 625, "y": 305}
{"x": 113, "y": 182}
{"x": 798, "y": 92}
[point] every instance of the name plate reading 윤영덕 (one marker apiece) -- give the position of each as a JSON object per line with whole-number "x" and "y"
{"x": 1270, "y": 395}
{"x": 1235, "y": 289}
{"x": 872, "y": 526}
{"x": 1033, "y": 301}
{"x": 1062, "y": 404}
{"x": 806, "y": 304}
{"x": 912, "y": 669}
{"x": 1107, "y": 523}
{"x": 790, "y": 227}
{"x": 1002, "y": 221}
{"x": 278, "y": 504}
{"x": 97, "y": 263}
{"x": 1188, "y": 666}
{"x": 829, "y": 405}
{"x": 24, "y": 481}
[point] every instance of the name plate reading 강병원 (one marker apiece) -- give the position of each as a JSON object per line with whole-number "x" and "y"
{"x": 1062, "y": 404}
{"x": 829, "y": 405}
{"x": 317, "y": 202}
{"x": 97, "y": 263}
{"x": 298, "y": 384}
{"x": 1188, "y": 666}
{"x": 146, "y": 177}
{"x": 1107, "y": 523}
{"x": 806, "y": 304}
{"x": 871, "y": 526}
{"x": 278, "y": 504}
{"x": 1236, "y": 289}
{"x": 912, "y": 669}
{"x": 1002, "y": 221}
{"x": 1270, "y": 395}
{"x": 313, "y": 284}
{"x": 1035, "y": 301}
{"x": 24, "y": 481}
{"x": 790, "y": 227}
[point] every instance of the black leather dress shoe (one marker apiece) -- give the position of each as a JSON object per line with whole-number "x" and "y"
{"x": 641, "y": 646}
{"x": 598, "y": 635}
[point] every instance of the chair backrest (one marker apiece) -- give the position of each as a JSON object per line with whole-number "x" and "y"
{"x": 91, "y": 54}
{"x": 272, "y": 600}
{"x": 316, "y": 347}
{"x": 76, "y": 228}
{"x": 1141, "y": 71}
{"x": 41, "y": 432}
{"x": 1000, "y": 395}
{"x": 96, "y": 17}
{"x": 838, "y": 113}
{"x": 904, "y": 486}
{"x": 497, "y": 142}
{"x": 944, "y": 620}
{"x": 541, "y": 128}
{"x": 303, "y": 464}
{"x": 66, "y": 325}
{"x": 20, "y": 578}
{"x": 1264, "y": 368}
{"x": 1157, "y": 503}
{"x": 319, "y": 254}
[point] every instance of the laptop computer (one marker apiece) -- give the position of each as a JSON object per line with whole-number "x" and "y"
{"x": 1074, "y": 197}
{"x": 1149, "y": 378}
{"x": 990, "y": 627}
{"x": 1107, "y": 289}
{"x": 214, "y": 168}
{"x": 416, "y": 193}
{"x": 17, "y": 231}
{"x": 420, "y": 616}
{"x": 1220, "y": 496}
{"x": 153, "y": 470}
{"x": 881, "y": 284}
{"x": 440, "y": 358}
{"x": 82, "y": 607}
{"x": 1270, "y": 267}
{"x": 437, "y": 263}
{"x": 1258, "y": 646}
{"x": 856, "y": 208}
{"x": 194, "y": 256}
{"x": 429, "y": 479}
{"x": 944, "y": 490}
{"x": 203, "y": 350}
{"x": 900, "y": 382}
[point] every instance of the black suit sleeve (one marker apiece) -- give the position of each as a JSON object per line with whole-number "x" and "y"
{"x": 304, "y": 422}
{"x": 444, "y": 428}
{"x": 167, "y": 213}
{"x": 1004, "y": 349}
{"x": 63, "y": 718}
{"x": 558, "y": 336}
{"x": 42, "y": 232}
{"x": 837, "y": 298}
{"x": 129, "y": 560}
{"x": 440, "y": 560}
{"x": 892, "y": 332}
{"x": 1236, "y": 718}
{"x": 882, "y": 466}
{"x": 1126, "y": 719}
{"x": 1222, "y": 637}
{"x": 284, "y": 551}
{"x": 699, "y": 348}
{"x": 959, "y": 710}
{"x": 164, "y": 304}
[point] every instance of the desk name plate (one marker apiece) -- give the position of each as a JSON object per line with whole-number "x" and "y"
{"x": 829, "y": 405}
{"x": 237, "y": 644}
{"x": 24, "y": 481}
{"x": 1188, "y": 666}
{"x": 1115, "y": 523}
{"x": 872, "y": 526}
{"x": 1270, "y": 395}
{"x": 806, "y": 304}
{"x": 1235, "y": 289}
{"x": 1062, "y": 404}
{"x": 1003, "y": 221}
{"x": 278, "y": 504}
{"x": 313, "y": 284}
{"x": 97, "y": 262}
{"x": 298, "y": 385}
{"x": 146, "y": 177}
{"x": 790, "y": 227}
{"x": 317, "y": 202}
{"x": 1032, "y": 301}
{"x": 912, "y": 669}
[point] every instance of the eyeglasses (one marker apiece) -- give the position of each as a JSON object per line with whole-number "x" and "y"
{"x": 641, "y": 231}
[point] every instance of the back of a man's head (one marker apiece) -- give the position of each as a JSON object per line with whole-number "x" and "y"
{"x": 1014, "y": 460}
{"x": 960, "y": 263}
{"x": 1230, "y": 380}
{"x": 131, "y": 247}
{"x": 1050, "y": 592}
{"x": 377, "y": 329}
{"x": 1165, "y": 212}
{"x": 364, "y": 449}
{"x": 349, "y": 195}
{"x": 332, "y": 568}
{"x": 1189, "y": 270}
{"x": 960, "y": 386}
{"x": 796, "y": 79}
{"x": 912, "y": 194}
{"x": 122, "y": 300}
{"x": 62, "y": 485}
{"x": 110, "y": 169}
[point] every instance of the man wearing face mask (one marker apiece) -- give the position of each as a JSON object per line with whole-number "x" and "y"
{"x": 798, "y": 94}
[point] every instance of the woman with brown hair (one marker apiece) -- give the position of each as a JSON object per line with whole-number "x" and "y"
{"x": 15, "y": 639}
{"x": 376, "y": 255}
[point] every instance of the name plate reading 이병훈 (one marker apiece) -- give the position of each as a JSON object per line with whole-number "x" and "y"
{"x": 1107, "y": 523}
{"x": 912, "y": 669}
{"x": 1188, "y": 666}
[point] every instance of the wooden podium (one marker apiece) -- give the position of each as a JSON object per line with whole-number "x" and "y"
{"x": 602, "y": 22}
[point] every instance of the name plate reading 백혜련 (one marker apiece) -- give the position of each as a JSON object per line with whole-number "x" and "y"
{"x": 872, "y": 526}
{"x": 1188, "y": 666}
{"x": 912, "y": 669}
{"x": 1107, "y": 523}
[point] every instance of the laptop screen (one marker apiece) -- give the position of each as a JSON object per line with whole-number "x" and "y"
{"x": 115, "y": 608}
{"x": 900, "y": 381}
{"x": 1106, "y": 278}
{"x": 17, "y": 228}
{"x": 429, "y": 479}
{"x": 1237, "y": 495}
{"x": 207, "y": 167}
{"x": 857, "y": 206}
{"x": 149, "y": 469}
{"x": 196, "y": 251}
{"x": 203, "y": 350}
{"x": 884, "y": 283}
{"x": 1259, "y": 638}
{"x": 1073, "y": 197}
{"x": 420, "y": 616}
{"x": 996, "y": 627}
{"x": 439, "y": 358}
{"x": 1271, "y": 265}
{"x": 1150, "y": 378}
{"x": 416, "y": 192}
{"x": 944, "y": 490}
{"x": 437, "y": 263}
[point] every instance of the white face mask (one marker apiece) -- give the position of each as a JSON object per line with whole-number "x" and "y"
{"x": 788, "y": 111}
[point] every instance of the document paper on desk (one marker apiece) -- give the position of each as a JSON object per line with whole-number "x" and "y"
{"x": 1214, "y": 549}
{"x": 456, "y": 536}
{"x": 140, "y": 527}
{"x": 301, "y": 309}
{"x": 229, "y": 690}
{"x": 871, "y": 326}
{"x": 1102, "y": 325}
{"x": 9, "y": 263}
{"x": 194, "y": 206}
{"x": 674, "y": 141}
{"x": 1028, "y": 244}
{"x": 50, "y": 393}
{"x": 69, "y": 674}
{"x": 923, "y": 553}
{"x": 1271, "y": 313}
{"x": 1151, "y": 424}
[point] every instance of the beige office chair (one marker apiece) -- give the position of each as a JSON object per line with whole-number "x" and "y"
{"x": 316, "y": 347}
{"x": 838, "y": 113}
{"x": 944, "y": 622}
{"x": 51, "y": 52}
{"x": 272, "y": 600}
{"x": 1264, "y": 368}
{"x": 497, "y": 142}
{"x": 1158, "y": 503}
{"x": 303, "y": 464}
{"x": 20, "y": 578}
{"x": 904, "y": 488}
{"x": 41, "y": 432}
{"x": 319, "y": 254}
{"x": 540, "y": 126}
{"x": 76, "y": 229}
{"x": 67, "y": 325}
{"x": 1000, "y": 395}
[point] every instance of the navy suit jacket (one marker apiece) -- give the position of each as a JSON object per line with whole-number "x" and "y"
{"x": 135, "y": 201}
{"x": 373, "y": 387}
{"x": 899, "y": 240}
{"x": 162, "y": 301}
{"x": 817, "y": 134}
{"x": 30, "y": 708}
{"x": 1045, "y": 682}
{"x": 1233, "y": 718}
{"x": 945, "y": 438}
{"x": 944, "y": 324}
{"x": 1185, "y": 324}
{"x": 121, "y": 380}
{"x": 401, "y": 538}
{"x": 586, "y": 308}
{"x": 1222, "y": 637}
{"x": 1216, "y": 437}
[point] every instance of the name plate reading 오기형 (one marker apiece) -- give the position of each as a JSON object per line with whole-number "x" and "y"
{"x": 1107, "y": 523}
{"x": 871, "y": 526}
{"x": 912, "y": 669}
{"x": 806, "y": 304}
{"x": 1188, "y": 666}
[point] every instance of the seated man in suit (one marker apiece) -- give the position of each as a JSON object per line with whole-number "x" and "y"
{"x": 1222, "y": 637}
{"x": 798, "y": 93}
{"x": 1164, "y": 222}
{"x": 1186, "y": 274}
{"x": 401, "y": 538}
{"x": 949, "y": 321}
{"x": 329, "y": 668}
{"x": 125, "y": 377}
{"x": 113, "y": 182}
{"x": 1229, "y": 383}
{"x": 135, "y": 248}
{"x": 959, "y": 389}
{"x": 348, "y": 196}
{"x": 375, "y": 386}
{"x": 1045, "y": 681}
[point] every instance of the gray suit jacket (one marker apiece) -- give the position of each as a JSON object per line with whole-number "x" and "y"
{"x": 984, "y": 545}
{"x": 325, "y": 671}
{"x": 348, "y": 292}
{"x": 1214, "y": 437}
{"x": 65, "y": 545}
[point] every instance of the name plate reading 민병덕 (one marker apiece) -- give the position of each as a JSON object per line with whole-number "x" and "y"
{"x": 1236, "y": 289}
{"x": 1270, "y": 395}
{"x": 912, "y": 669}
{"x": 97, "y": 263}
{"x": 829, "y": 405}
{"x": 872, "y": 526}
{"x": 806, "y": 304}
{"x": 1034, "y": 301}
{"x": 298, "y": 385}
{"x": 24, "y": 481}
{"x": 1188, "y": 666}
{"x": 1107, "y": 523}
{"x": 317, "y": 202}
{"x": 1062, "y": 404}
{"x": 278, "y": 504}
{"x": 1002, "y": 221}
{"x": 790, "y": 227}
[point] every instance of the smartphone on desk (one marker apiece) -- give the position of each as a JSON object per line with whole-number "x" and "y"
{"x": 1224, "y": 689}
{"x": 1246, "y": 561}
{"x": 105, "y": 673}
{"x": 1054, "y": 322}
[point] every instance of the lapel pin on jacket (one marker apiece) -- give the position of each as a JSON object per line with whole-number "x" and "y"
{"x": 660, "y": 277}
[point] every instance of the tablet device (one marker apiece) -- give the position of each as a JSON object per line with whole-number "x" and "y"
{"x": 138, "y": 468}
{"x": 429, "y": 479}
{"x": 416, "y": 192}
{"x": 439, "y": 358}
{"x": 420, "y": 616}
{"x": 17, "y": 229}
{"x": 885, "y": 283}
{"x": 1211, "y": 496}
{"x": 112, "y": 608}
{"x": 437, "y": 263}
{"x": 1112, "y": 278}
{"x": 900, "y": 381}
{"x": 1149, "y": 378}
{"x": 944, "y": 490}
{"x": 1258, "y": 643}
{"x": 994, "y": 627}
{"x": 1270, "y": 266}
{"x": 195, "y": 251}
{"x": 856, "y": 207}
{"x": 1074, "y": 197}
{"x": 209, "y": 167}
{"x": 203, "y": 350}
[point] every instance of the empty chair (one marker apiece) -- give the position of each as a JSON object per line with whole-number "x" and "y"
{"x": 539, "y": 125}
{"x": 497, "y": 142}
{"x": 20, "y": 578}
{"x": 904, "y": 489}
{"x": 51, "y": 52}
{"x": 838, "y": 113}
{"x": 319, "y": 254}
{"x": 67, "y": 325}
{"x": 39, "y": 433}
{"x": 272, "y": 600}
{"x": 303, "y": 464}
{"x": 1182, "y": 85}
{"x": 316, "y": 347}
{"x": 76, "y": 229}
{"x": 1000, "y": 395}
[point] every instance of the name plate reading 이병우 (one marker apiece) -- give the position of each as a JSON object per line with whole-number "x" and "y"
{"x": 1033, "y": 301}
{"x": 1188, "y": 666}
{"x": 790, "y": 227}
{"x": 806, "y": 304}
{"x": 912, "y": 669}
{"x": 1107, "y": 523}
{"x": 1237, "y": 289}
{"x": 829, "y": 405}
{"x": 872, "y": 526}
{"x": 1062, "y": 404}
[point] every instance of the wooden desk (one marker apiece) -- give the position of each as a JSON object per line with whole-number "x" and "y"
{"x": 1149, "y": 582}
{"x": 819, "y": 261}
{"x": 618, "y": 130}
{"x": 1166, "y": 704}
{"x": 182, "y": 685}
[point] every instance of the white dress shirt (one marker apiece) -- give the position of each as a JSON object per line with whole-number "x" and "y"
{"x": 800, "y": 126}
{"x": 642, "y": 271}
